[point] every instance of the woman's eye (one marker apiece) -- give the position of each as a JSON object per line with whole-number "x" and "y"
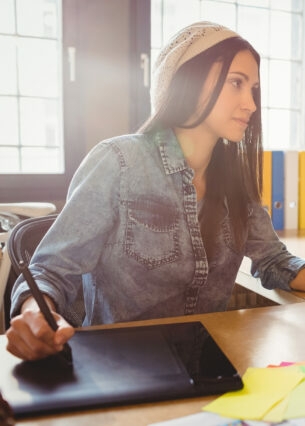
{"x": 236, "y": 83}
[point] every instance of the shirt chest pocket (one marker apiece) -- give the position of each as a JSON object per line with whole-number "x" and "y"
{"x": 151, "y": 236}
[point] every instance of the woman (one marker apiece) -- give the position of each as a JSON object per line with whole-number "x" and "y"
{"x": 157, "y": 223}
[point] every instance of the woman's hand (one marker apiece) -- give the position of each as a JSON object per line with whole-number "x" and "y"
{"x": 30, "y": 337}
{"x": 299, "y": 281}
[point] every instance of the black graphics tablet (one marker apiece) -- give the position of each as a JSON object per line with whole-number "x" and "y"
{"x": 124, "y": 365}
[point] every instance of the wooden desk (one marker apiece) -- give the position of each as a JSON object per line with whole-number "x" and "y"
{"x": 252, "y": 337}
{"x": 295, "y": 242}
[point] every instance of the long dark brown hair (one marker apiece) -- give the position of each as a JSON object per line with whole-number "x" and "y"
{"x": 234, "y": 174}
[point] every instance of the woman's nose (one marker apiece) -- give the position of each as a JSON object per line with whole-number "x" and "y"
{"x": 249, "y": 103}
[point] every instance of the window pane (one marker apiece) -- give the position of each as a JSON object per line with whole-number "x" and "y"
{"x": 295, "y": 132}
{"x": 283, "y": 84}
{"x": 39, "y": 122}
{"x": 156, "y": 24}
{"x": 8, "y": 85}
{"x": 285, "y": 31}
{"x": 290, "y": 5}
{"x": 264, "y": 82}
{"x": 7, "y": 17}
{"x": 9, "y": 160}
{"x": 296, "y": 84}
{"x": 38, "y": 67}
{"x": 249, "y": 20}
{"x": 33, "y": 160}
{"x": 37, "y": 18}
{"x": 221, "y": 13}
{"x": 40, "y": 160}
{"x": 279, "y": 129}
{"x": 8, "y": 121}
{"x": 177, "y": 16}
{"x": 257, "y": 3}
{"x": 265, "y": 128}
{"x": 296, "y": 37}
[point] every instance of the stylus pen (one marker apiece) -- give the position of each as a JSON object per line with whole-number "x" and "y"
{"x": 43, "y": 306}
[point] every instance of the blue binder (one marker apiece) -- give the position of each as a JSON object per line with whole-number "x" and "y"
{"x": 278, "y": 190}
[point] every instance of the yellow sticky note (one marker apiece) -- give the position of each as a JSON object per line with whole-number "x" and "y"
{"x": 263, "y": 389}
{"x": 277, "y": 413}
{"x": 296, "y": 407}
{"x": 292, "y": 406}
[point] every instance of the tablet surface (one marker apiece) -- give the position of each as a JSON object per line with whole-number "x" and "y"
{"x": 124, "y": 365}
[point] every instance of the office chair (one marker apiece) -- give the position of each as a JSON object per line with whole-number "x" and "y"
{"x": 10, "y": 215}
{"x": 22, "y": 242}
{"x": 25, "y": 237}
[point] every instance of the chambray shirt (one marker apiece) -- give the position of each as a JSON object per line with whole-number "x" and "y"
{"x": 130, "y": 230}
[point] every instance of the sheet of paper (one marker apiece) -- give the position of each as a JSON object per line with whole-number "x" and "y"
{"x": 200, "y": 419}
{"x": 263, "y": 389}
{"x": 211, "y": 419}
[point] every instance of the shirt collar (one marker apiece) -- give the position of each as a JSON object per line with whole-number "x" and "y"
{"x": 171, "y": 152}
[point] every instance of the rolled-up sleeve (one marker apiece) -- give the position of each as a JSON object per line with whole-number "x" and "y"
{"x": 271, "y": 261}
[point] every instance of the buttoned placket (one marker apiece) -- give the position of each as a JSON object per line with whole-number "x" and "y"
{"x": 201, "y": 263}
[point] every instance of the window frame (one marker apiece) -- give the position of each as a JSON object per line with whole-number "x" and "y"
{"x": 140, "y": 44}
{"x": 49, "y": 187}
{"x": 53, "y": 187}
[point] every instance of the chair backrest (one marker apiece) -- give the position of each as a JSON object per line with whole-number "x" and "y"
{"x": 25, "y": 237}
{"x": 23, "y": 241}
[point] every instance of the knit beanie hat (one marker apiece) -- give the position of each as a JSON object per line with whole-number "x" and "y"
{"x": 187, "y": 43}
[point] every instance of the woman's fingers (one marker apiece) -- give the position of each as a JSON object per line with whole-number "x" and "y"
{"x": 64, "y": 332}
{"x": 23, "y": 343}
{"x": 30, "y": 337}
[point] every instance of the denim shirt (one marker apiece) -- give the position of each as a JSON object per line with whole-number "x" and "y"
{"x": 130, "y": 230}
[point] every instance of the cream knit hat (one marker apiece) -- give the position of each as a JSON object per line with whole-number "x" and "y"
{"x": 187, "y": 43}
